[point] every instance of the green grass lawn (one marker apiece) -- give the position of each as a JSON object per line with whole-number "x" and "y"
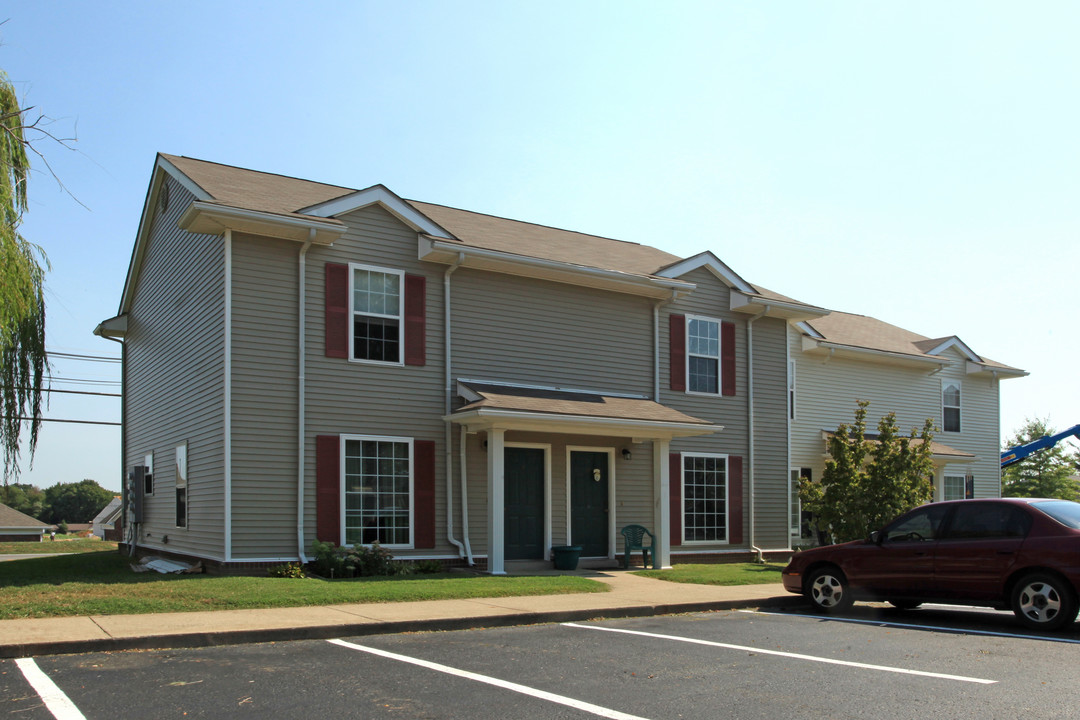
{"x": 719, "y": 574}
{"x": 103, "y": 584}
{"x": 62, "y": 544}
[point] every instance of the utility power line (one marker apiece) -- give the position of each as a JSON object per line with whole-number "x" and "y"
{"x": 76, "y": 392}
{"x": 77, "y": 422}
{"x": 89, "y": 358}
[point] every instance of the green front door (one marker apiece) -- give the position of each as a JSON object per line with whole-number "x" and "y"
{"x": 524, "y": 473}
{"x": 589, "y": 502}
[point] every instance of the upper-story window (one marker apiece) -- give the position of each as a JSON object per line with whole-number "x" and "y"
{"x": 703, "y": 355}
{"x": 950, "y": 406}
{"x": 376, "y": 314}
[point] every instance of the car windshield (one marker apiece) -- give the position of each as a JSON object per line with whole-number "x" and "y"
{"x": 1065, "y": 512}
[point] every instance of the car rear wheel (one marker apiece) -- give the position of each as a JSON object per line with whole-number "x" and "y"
{"x": 827, "y": 589}
{"x": 1044, "y": 602}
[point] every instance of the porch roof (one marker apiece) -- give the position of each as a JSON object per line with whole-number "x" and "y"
{"x": 939, "y": 451}
{"x": 548, "y": 409}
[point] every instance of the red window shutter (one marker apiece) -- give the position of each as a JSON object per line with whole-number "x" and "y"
{"x": 677, "y": 343}
{"x": 727, "y": 358}
{"x": 969, "y": 486}
{"x": 415, "y": 319}
{"x": 424, "y": 493}
{"x": 337, "y": 310}
{"x": 735, "y": 499}
{"x": 676, "y": 509}
{"x": 328, "y": 488}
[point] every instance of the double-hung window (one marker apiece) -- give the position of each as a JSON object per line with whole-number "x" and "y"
{"x": 703, "y": 355}
{"x": 181, "y": 486}
{"x": 148, "y": 474}
{"x": 954, "y": 487}
{"x": 376, "y": 312}
{"x": 378, "y": 488}
{"x": 950, "y": 406}
{"x": 705, "y": 495}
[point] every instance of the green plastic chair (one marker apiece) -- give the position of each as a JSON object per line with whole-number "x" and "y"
{"x": 633, "y": 539}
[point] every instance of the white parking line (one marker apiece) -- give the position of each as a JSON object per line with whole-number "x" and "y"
{"x": 794, "y": 656}
{"x": 54, "y": 698}
{"x": 523, "y": 689}
{"x": 939, "y": 628}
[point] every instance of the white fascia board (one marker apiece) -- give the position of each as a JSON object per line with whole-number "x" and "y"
{"x": 806, "y": 328}
{"x": 113, "y": 327}
{"x": 382, "y": 195}
{"x": 959, "y": 345}
{"x": 450, "y": 252}
{"x": 467, "y": 393}
{"x": 974, "y": 368}
{"x": 488, "y": 418}
{"x": 713, "y": 263}
{"x": 212, "y": 219}
{"x": 743, "y": 302}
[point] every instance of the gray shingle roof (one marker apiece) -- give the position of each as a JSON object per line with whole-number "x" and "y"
{"x": 10, "y": 518}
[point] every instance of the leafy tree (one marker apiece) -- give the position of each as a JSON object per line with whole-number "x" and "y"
{"x": 27, "y": 499}
{"x": 870, "y": 480}
{"x": 1045, "y": 473}
{"x": 23, "y": 361}
{"x": 75, "y": 502}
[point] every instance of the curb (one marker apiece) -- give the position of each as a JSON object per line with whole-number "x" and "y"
{"x": 324, "y": 632}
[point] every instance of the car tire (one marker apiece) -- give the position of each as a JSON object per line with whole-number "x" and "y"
{"x": 1044, "y": 602}
{"x": 827, "y": 590}
{"x": 905, "y": 604}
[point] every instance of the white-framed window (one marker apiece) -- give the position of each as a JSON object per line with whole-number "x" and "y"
{"x": 148, "y": 474}
{"x": 795, "y": 506}
{"x": 953, "y": 487}
{"x": 702, "y": 355}
{"x": 950, "y": 405}
{"x": 791, "y": 389}
{"x": 181, "y": 486}
{"x": 376, "y": 307}
{"x": 705, "y": 492}
{"x": 377, "y": 490}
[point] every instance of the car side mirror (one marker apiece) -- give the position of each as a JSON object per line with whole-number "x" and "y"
{"x": 876, "y": 537}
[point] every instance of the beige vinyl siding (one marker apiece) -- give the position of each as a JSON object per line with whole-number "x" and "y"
{"x": 174, "y": 392}
{"x": 633, "y": 483}
{"x": 367, "y": 399}
{"x": 771, "y": 478}
{"x": 516, "y": 329}
{"x": 828, "y": 388}
{"x": 264, "y": 397}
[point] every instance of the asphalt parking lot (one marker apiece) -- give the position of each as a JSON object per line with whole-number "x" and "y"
{"x": 873, "y": 663}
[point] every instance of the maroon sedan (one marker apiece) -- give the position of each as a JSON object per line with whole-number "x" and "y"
{"x": 1005, "y": 553}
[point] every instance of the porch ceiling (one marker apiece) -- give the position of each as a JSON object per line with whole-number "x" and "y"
{"x": 577, "y": 412}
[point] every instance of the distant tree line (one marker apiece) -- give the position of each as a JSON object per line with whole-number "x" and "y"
{"x": 1049, "y": 473}
{"x": 77, "y": 502}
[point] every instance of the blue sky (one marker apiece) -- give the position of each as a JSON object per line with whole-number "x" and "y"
{"x": 918, "y": 162}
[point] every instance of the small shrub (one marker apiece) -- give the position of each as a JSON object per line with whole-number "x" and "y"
{"x": 62, "y": 527}
{"x": 357, "y": 561}
{"x": 328, "y": 561}
{"x": 287, "y": 570}
{"x": 428, "y": 567}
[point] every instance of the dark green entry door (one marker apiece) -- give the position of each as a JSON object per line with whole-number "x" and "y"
{"x": 524, "y": 472}
{"x": 589, "y": 502}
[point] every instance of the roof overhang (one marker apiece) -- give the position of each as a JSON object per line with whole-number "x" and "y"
{"x": 483, "y": 419}
{"x": 115, "y": 328}
{"x": 752, "y": 303}
{"x": 939, "y": 452}
{"x": 814, "y": 346}
{"x": 450, "y": 252}
{"x": 1004, "y": 373}
{"x": 210, "y": 218}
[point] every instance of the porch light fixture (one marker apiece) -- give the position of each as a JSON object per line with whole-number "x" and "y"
{"x": 626, "y": 454}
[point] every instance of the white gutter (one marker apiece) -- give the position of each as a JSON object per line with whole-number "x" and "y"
{"x": 750, "y": 430}
{"x": 228, "y": 395}
{"x": 465, "y": 498}
{"x": 301, "y": 426}
{"x": 449, "y": 401}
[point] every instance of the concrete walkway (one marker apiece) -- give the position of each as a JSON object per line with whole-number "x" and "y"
{"x": 630, "y": 596}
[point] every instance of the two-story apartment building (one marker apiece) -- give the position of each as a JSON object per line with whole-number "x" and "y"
{"x": 305, "y": 361}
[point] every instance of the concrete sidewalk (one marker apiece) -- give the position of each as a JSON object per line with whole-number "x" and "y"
{"x": 630, "y": 596}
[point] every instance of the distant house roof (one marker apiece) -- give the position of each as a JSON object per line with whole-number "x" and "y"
{"x": 845, "y": 330}
{"x": 107, "y": 512}
{"x": 10, "y": 518}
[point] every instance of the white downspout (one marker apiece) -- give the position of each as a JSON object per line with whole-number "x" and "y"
{"x": 750, "y": 430}
{"x": 227, "y": 400}
{"x": 449, "y": 426}
{"x": 465, "y": 498}
{"x": 301, "y": 399}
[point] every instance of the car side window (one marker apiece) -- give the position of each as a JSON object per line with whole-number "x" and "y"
{"x": 981, "y": 521}
{"x": 920, "y": 525}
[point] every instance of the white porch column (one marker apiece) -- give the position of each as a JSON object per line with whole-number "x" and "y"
{"x": 662, "y": 502}
{"x": 496, "y": 503}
